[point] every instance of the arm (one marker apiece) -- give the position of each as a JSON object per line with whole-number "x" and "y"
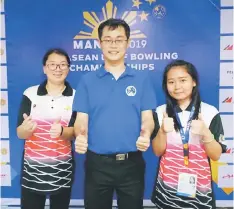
{"x": 215, "y": 148}
{"x": 212, "y": 147}
{"x": 26, "y": 129}
{"x": 210, "y": 136}
{"x": 81, "y": 124}
{"x": 159, "y": 142}
{"x": 68, "y": 132}
{"x": 159, "y": 138}
{"x": 25, "y": 125}
{"x": 147, "y": 127}
{"x": 147, "y": 123}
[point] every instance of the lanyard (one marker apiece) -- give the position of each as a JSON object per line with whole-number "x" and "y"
{"x": 185, "y": 135}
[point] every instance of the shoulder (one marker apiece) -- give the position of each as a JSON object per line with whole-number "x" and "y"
{"x": 208, "y": 112}
{"x": 31, "y": 91}
{"x": 73, "y": 92}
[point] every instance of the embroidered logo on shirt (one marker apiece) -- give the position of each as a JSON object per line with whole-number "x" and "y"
{"x": 221, "y": 138}
{"x": 67, "y": 108}
{"x": 131, "y": 91}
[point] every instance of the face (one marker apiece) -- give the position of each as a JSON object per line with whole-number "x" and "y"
{"x": 114, "y": 44}
{"x": 56, "y": 68}
{"x": 180, "y": 84}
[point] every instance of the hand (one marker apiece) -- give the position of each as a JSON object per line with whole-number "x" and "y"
{"x": 28, "y": 124}
{"x": 56, "y": 129}
{"x": 143, "y": 141}
{"x": 167, "y": 123}
{"x": 81, "y": 143}
{"x": 198, "y": 126}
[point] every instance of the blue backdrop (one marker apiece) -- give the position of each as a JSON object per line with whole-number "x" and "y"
{"x": 162, "y": 31}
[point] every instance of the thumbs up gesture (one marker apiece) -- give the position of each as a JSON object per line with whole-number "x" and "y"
{"x": 81, "y": 143}
{"x": 198, "y": 126}
{"x": 28, "y": 124}
{"x": 56, "y": 129}
{"x": 167, "y": 123}
{"x": 143, "y": 141}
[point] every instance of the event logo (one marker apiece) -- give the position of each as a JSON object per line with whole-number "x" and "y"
{"x": 140, "y": 56}
{"x": 226, "y": 103}
{"x": 92, "y": 21}
{"x": 228, "y": 47}
{"x": 5, "y": 156}
{"x": 227, "y": 100}
{"x": 3, "y": 102}
{"x": 159, "y": 11}
{"x": 3, "y": 151}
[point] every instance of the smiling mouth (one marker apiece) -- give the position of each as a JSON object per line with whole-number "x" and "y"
{"x": 113, "y": 53}
{"x": 57, "y": 75}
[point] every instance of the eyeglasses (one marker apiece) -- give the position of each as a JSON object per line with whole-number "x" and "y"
{"x": 117, "y": 42}
{"x": 53, "y": 66}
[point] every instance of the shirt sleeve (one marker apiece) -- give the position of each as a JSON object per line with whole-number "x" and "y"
{"x": 25, "y": 107}
{"x": 73, "y": 119}
{"x": 216, "y": 129}
{"x": 148, "y": 99}
{"x": 156, "y": 126}
{"x": 81, "y": 102}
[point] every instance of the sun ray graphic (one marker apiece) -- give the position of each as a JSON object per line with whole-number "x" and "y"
{"x": 109, "y": 11}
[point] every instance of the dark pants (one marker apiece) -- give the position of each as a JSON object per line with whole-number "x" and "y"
{"x": 104, "y": 175}
{"x": 33, "y": 200}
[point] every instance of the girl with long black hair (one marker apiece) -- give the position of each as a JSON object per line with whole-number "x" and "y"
{"x": 188, "y": 133}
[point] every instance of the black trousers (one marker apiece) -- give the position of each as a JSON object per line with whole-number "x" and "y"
{"x": 33, "y": 200}
{"x": 104, "y": 175}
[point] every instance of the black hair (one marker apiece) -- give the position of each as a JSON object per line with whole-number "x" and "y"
{"x": 171, "y": 102}
{"x": 112, "y": 24}
{"x": 58, "y": 51}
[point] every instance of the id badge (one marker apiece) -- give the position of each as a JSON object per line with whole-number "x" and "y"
{"x": 187, "y": 185}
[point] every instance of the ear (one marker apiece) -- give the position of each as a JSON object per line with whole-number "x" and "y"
{"x": 128, "y": 43}
{"x": 99, "y": 43}
{"x": 44, "y": 69}
{"x": 194, "y": 84}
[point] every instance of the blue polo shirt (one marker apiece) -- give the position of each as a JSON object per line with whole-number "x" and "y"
{"x": 114, "y": 108}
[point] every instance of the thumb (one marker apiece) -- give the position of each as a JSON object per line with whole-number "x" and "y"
{"x": 25, "y": 116}
{"x": 57, "y": 121}
{"x": 165, "y": 115}
{"x": 200, "y": 116}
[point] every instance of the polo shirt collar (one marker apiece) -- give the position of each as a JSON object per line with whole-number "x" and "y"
{"x": 42, "y": 91}
{"x": 101, "y": 72}
{"x": 189, "y": 108}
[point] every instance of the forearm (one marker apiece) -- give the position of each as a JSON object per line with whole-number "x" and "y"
{"x": 159, "y": 143}
{"x": 148, "y": 126}
{"x": 212, "y": 147}
{"x": 22, "y": 133}
{"x": 68, "y": 133}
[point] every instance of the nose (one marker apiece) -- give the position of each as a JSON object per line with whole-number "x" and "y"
{"x": 177, "y": 85}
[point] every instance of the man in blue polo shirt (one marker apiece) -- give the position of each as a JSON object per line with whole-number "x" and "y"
{"x": 114, "y": 123}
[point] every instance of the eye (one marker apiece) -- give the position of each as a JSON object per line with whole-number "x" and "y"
{"x": 63, "y": 65}
{"x": 183, "y": 80}
{"x": 170, "y": 82}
